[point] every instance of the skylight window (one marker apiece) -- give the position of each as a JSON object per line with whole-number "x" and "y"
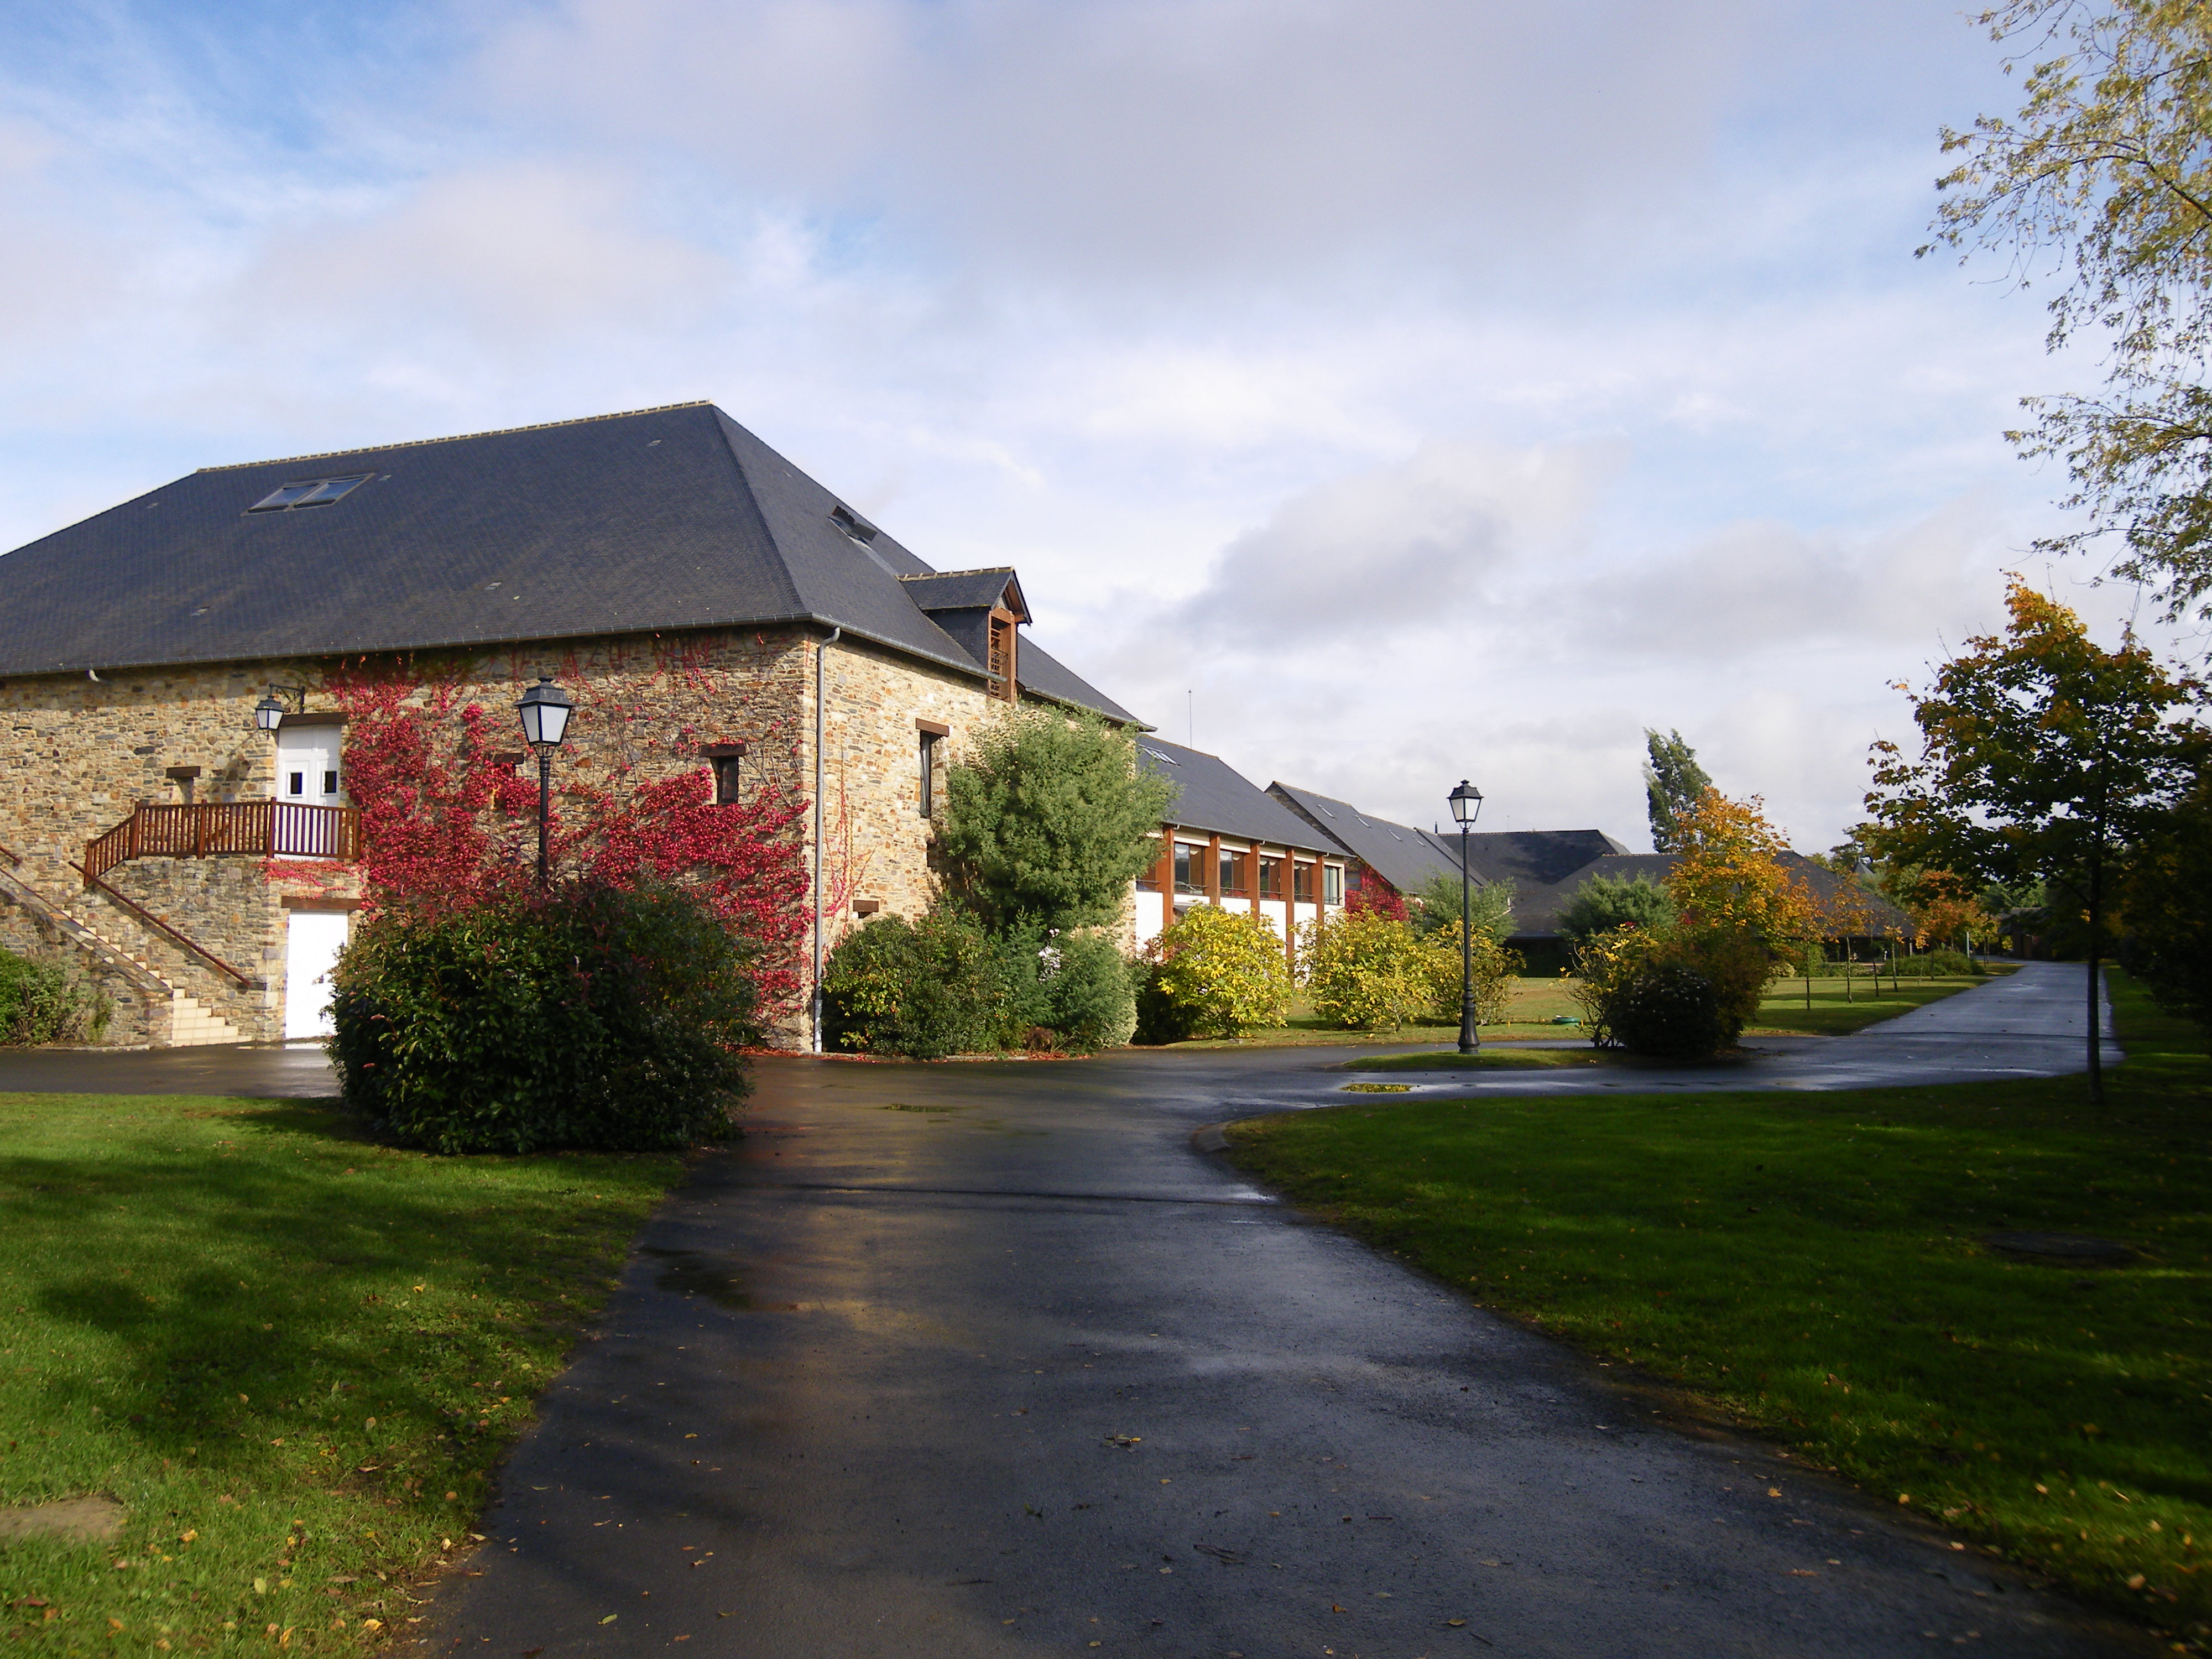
{"x": 309, "y": 492}
{"x": 844, "y": 518}
{"x": 1157, "y": 755}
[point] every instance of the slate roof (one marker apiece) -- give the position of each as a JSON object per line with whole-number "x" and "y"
{"x": 1405, "y": 857}
{"x": 1536, "y": 910}
{"x": 1213, "y": 797}
{"x": 661, "y": 520}
{"x": 1532, "y": 858}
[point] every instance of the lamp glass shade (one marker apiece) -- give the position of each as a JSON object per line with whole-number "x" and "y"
{"x": 268, "y": 713}
{"x": 1465, "y": 802}
{"x": 544, "y": 709}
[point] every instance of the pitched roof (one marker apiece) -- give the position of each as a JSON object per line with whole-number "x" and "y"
{"x": 1403, "y": 856}
{"x": 661, "y": 520}
{"x": 1531, "y": 858}
{"x": 1536, "y": 909}
{"x": 1210, "y": 795}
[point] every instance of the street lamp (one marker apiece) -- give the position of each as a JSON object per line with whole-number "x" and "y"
{"x": 268, "y": 713}
{"x": 1465, "y": 802}
{"x": 545, "y": 709}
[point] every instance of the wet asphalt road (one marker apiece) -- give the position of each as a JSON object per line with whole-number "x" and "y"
{"x": 986, "y": 1359}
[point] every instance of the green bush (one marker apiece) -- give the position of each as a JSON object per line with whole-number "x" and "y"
{"x": 42, "y": 1002}
{"x": 944, "y": 985}
{"x": 1605, "y": 903}
{"x": 924, "y": 989}
{"x": 1684, "y": 994}
{"x": 1214, "y": 973}
{"x": 1366, "y": 970}
{"x": 588, "y": 1017}
{"x": 1437, "y": 905}
{"x": 1089, "y": 1000}
{"x": 1494, "y": 970}
{"x": 1669, "y": 1011}
{"x": 1939, "y": 964}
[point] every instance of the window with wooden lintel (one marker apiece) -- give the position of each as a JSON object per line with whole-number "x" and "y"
{"x": 727, "y": 763}
{"x": 931, "y": 736}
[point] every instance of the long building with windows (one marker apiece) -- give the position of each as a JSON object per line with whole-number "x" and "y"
{"x": 1227, "y": 842}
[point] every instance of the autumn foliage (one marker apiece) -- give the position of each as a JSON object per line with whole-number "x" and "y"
{"x": 447, "y": 824}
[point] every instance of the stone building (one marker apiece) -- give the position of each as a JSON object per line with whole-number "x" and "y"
{"x": 706, "y": 603}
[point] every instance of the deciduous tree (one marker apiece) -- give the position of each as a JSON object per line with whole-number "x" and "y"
{"x": 1729, "y": 876}
{"x": 2103, "y": 182}
{"x": 2042, "y": 755}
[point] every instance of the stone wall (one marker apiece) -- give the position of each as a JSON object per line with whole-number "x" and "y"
{"x": 78, "y": 755}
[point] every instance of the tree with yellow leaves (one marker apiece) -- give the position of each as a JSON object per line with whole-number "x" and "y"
{"x": 1728, "y": 874}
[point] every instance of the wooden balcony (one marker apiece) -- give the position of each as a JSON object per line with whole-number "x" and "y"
{"x": 263, "y": 829}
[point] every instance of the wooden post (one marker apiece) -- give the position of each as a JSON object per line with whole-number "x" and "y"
{"x": 1212, "y": 883}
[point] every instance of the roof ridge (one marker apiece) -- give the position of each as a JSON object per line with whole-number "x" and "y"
{"x": 980, "y": 570}
{"x": 457, "y": 437}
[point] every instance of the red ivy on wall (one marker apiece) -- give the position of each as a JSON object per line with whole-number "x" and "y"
{"x": 444, "y": 822}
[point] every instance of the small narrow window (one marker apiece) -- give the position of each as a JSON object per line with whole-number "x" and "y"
{"x": 727, "y": 783}
{"x": 299, "y": 783}
{"x": 1229, "y": 882}
{"x": 1182, "y": 862}
{"x": 929, "y": 764}
{"x": 1333, "y": 884}
{"x": 1271, "y": 877}
{"x": 330, "y": 783}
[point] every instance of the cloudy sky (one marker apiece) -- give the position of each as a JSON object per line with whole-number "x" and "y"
{"x": 1382, "y": 391}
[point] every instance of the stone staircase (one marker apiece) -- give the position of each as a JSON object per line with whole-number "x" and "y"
{"x": 189, "y": 1021}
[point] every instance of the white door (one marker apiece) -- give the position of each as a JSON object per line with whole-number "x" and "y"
{"x": 312, "y": 939}
{"x": 307, "y": 764}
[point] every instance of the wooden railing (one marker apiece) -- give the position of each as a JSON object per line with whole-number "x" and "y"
{"x": 266, "y": 828}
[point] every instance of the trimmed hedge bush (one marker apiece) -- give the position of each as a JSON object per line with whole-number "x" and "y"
{"x": 1940, "y": 965}
{"x": 1669, "y": 1011}
{"x": 1683, "y": 994}
{"x": 924, "y": 989}
{"x": 944, "y": 985}
{"x": 1089, "y": 1000}
{"x": 42, "y": 1002}
{"x": 589, "y": 1017}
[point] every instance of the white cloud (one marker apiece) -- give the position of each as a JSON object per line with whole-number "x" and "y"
{"x": 1432, "y": 387}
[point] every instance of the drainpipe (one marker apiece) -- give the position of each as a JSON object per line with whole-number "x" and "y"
{"x": 820, "y": 651}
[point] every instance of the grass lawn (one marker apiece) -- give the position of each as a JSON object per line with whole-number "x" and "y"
{"x": 1536, "y": 1002}
{"x": 1783, "y": 1009}
{"x": 1812, "y": 1264}
{"x": 292, "y": 1356}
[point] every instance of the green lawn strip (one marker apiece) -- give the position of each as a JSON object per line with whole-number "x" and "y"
{"x": 1812, "y": 1263}
{"x": 1783, "y": 1012}
{"x": 294, "y": 1355}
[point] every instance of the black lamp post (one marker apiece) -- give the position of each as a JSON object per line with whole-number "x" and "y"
{"x": 1465, "y": 802}
{"x": 545, "y": 709}
{"x": 268, "y": 713}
